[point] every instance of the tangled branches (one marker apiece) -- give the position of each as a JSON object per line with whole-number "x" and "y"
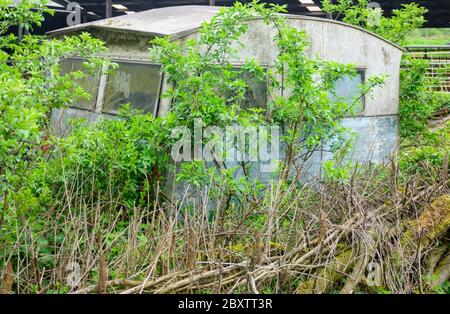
{"x": 374, "y": 234}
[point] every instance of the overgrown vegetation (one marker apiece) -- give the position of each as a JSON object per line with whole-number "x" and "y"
{"x": 418, "y": 103}
{"x": 90, "y": 212}
{"x": 394, "y": 28}
{"x": 424, "y": 125}
{"x": 31, "y": 86}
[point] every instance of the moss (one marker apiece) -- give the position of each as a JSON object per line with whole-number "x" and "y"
{"x": 432, "y": 223}
{"x": 328, "y": 275}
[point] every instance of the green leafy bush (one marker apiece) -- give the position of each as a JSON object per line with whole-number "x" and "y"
{"x": 416, "y": 100}
{"x": 423, "y": 148}
{"x": 31, "y": 85}
{"x": 394, "y": 28}
{"x": 124, "y": 157}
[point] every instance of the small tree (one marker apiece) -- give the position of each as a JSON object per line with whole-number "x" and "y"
{"x": 304, "y": 102}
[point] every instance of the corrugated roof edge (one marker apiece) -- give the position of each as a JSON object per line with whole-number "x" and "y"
{"x": 192, "y": 30}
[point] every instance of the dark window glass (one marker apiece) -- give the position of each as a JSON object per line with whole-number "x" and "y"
{"x": 348, "y": 88}
{"x": 135, "y": 83}
{"x": 90, "y": 83}
{"x": 256, "y": 95}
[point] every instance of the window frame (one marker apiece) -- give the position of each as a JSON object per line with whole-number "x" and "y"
{"x": 238, "y": 65}
{"x": 265, "y": 67}
{"x": 104, "y": 82}
{"x": 98, "y": 99}
{"x": 361, "y": 70}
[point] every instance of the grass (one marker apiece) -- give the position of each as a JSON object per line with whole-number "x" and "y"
{"x": 429, "y": 36}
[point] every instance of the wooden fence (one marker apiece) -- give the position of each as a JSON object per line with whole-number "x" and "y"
{"x": 439, "y": 69}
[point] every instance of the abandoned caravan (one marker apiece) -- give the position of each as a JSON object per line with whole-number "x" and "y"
{"x": 140, "y": 82}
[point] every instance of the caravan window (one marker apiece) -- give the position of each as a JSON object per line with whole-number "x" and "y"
{"x": 256, "y": 91}
{"x": 89, "y": 84}
{"x": 256, "y": 95}
{"x": 348, "y": 88}
{"x": 135, "y": 83}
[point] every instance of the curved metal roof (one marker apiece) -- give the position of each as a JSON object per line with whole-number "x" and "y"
{"x": 175, "y": 21}
{"x": 163, "y": 21}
